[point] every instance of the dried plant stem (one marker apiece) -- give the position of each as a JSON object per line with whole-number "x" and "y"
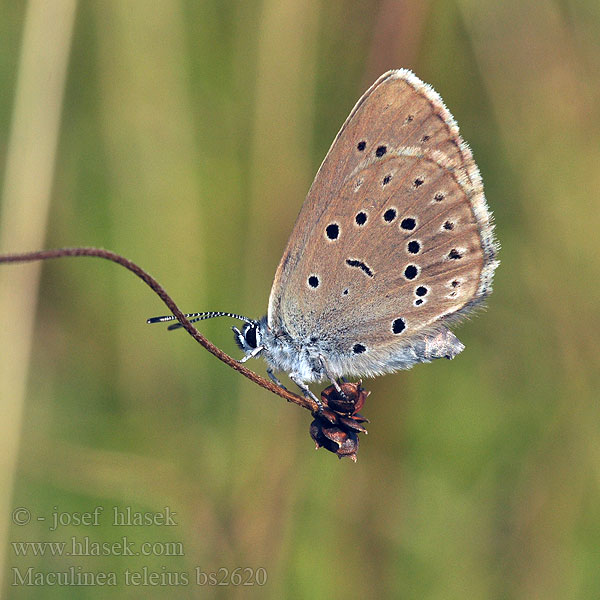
{"x": 306, "y": 403}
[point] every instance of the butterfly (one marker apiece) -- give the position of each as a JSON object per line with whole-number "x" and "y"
{"x": 393, "y": 243}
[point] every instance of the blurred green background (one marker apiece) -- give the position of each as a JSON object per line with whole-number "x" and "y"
{"x": 185, "y": 135}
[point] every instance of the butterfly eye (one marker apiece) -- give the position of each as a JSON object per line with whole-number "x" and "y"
{"x": 361, "y": 146}
{"x": 250, "y": 336}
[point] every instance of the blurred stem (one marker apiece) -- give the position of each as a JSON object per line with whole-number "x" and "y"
{"x": 29, "y": 172}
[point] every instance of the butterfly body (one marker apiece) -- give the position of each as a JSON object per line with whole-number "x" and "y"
{"x": 315, "y": 358}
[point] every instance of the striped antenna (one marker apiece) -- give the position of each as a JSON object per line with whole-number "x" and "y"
{"x": 199, "y": 316}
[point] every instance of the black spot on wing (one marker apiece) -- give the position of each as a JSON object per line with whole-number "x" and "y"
{"x": 351, "y": 262}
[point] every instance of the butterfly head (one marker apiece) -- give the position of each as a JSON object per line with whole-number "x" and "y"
{"x": 253, "y": 337}
{"x": 249, "y": 338}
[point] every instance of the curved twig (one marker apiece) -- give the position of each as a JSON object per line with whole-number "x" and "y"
{"x": 307, "y": 403}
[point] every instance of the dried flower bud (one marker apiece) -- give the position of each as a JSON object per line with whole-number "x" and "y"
{"x": 350, "y": 402}
{"x": 337, "y": 426}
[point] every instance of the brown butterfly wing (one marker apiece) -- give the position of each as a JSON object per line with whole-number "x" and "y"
{"x": 394, "y": 235}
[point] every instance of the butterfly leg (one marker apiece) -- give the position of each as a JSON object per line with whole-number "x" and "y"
{"x": 331, "y": 378}
{"x": 305, "y": 389}
{"x": 274, "y": 379}
{"x": 252, "y": 354}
